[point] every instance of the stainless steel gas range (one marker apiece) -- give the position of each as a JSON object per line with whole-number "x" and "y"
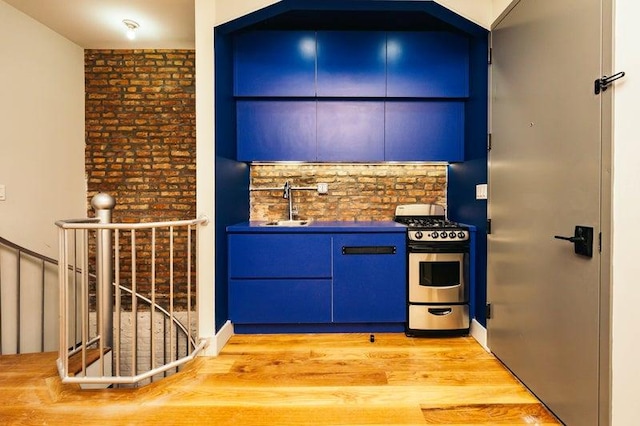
{"x": 438, "y": 278}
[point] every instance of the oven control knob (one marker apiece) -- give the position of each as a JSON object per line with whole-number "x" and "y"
{"x": 460, "y": 234}
{"x": 452, "y": 234}
{"x": 418, "y": 235}
{"x": 435, "y": 235}
{"x": 443, "y": 234}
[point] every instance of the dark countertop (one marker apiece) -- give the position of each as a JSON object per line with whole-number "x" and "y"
{"x": 319, "y": 227}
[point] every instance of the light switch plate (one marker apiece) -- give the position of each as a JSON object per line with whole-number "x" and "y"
{"x": 481, "y": 191}
{"x": 3, "y": 194}
{"x": 323, "y": 188}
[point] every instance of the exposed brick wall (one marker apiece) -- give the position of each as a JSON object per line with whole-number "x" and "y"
{"x": 356, "y": 191}
{"x": 140, "y": 141}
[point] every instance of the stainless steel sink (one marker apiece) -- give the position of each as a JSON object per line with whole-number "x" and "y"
{"x": 288, "y": 223}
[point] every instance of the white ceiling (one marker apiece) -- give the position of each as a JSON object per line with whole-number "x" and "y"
{"x": 97, "y": 24}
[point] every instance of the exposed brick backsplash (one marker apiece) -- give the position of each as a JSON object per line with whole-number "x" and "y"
{"x": 359, "y": 192}
{"x": 140, "y": 142}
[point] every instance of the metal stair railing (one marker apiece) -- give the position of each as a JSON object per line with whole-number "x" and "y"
{"x": 106, "y": 315}
{"x": 14, "y": 282}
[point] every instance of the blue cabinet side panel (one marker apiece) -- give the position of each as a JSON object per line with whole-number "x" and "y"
{"x": 279, "y": 301}
{"x": 275, "y": 63}
{"x": 283, "y": 130}
{"x": 231, "y": 177}
{"x": 280, "y": 256}
{"x": 352, "y": 130}
{"x": 463, "y": 177}
{"x": 369, "y": 287}
{"x": 351, "y": 63}
{"x": 427, "y": 64}
{"x": 424, "y": 131}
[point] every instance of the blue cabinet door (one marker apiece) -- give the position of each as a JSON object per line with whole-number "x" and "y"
{"x": 427, "y": 64}
{"x": 276, "y": 130}
{"x": 279, "y": 256}
{"x": 370, "y": 281}
{"x": 280, "y": 301}
{"x": 351, "y": 63}
{"x": 350, "y": 130}
{"x": 275, "y": 63}
{"x": 424, "y": 131}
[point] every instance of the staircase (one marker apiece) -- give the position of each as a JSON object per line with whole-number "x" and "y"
{"x": 125, "y": 298}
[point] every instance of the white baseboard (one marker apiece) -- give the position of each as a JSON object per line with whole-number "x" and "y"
{"x": 479, "y": 333}
{"x": 217, "y": 342}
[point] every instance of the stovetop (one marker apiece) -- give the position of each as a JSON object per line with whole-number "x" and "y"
{"x": 427, "y": 222}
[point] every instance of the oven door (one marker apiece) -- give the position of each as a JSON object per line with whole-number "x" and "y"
{"x": 438, "y": 277}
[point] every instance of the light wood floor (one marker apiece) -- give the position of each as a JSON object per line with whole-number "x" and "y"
{"x": 317, "y": 379}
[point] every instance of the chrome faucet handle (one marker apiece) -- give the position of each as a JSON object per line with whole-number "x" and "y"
{"x": 287, "y": 190}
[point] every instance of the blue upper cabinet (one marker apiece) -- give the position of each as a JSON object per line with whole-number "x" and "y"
{"x": 424, "y": 131}
{"x": 427, "y": 65}
{"x": 275, "y": 63}
{"x": 350, "y": 130}
{"x": 351, "y": 63}
{"x": 276, "y": 130}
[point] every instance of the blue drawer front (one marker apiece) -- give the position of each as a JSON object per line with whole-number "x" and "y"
{"x": 280, "y": 256}
{"x": 369, "y": 287}
{"x": 283, "y": 130}
{"x": 275, "y": 63}
{"x": 424, "y": 131}
{"x": 279, "y": 301}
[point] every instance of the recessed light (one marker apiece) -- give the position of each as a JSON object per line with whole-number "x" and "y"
{"x": 132, "y": 26}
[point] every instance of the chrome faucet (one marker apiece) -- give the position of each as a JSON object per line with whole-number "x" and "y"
{"x": 287, "y": 196}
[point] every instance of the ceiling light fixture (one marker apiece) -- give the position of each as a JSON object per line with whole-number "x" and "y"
{"x": 132, "y": 26}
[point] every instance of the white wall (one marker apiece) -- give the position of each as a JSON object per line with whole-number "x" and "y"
{"x": 42, "y": 131}
{"x": 626, "y": 212}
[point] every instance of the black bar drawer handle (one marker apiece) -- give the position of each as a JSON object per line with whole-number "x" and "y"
{"x": 440, "y": 311}
{"x": 369, "y": 250}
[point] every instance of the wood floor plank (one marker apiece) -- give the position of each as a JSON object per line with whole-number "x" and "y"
{"x": 320, "y": 379}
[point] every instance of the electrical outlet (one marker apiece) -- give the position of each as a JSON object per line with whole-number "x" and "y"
{"x": 3, "y": 194}
{"x": 323, "y": 188}
{"x": 481, "y": 191}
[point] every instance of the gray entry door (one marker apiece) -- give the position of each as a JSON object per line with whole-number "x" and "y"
{"x": 545, "y": 171}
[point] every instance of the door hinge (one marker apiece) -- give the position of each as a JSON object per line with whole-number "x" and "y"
{"x": 489, "y": 142}
{"x": 488, "y": 226}
{"x": 488, "y": 310}
{"x": 600, "y": 242}
{"x": 490, "y": 56}
{"x": 602, "y": 84}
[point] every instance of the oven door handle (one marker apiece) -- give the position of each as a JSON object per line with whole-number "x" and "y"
{"x": 440, "y": 311}
{"x": 441, "y": 287}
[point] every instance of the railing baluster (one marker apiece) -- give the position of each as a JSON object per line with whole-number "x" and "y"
{"x": 42, "y": 311}
{"x": 152, "y": 308}
{"x": 134, "y": 307}
{"x": 18, "y": 290}
{"x": 116, "y": 344}
{"x": 188, "y": 286}
{"x": 171, "y": 286}
{"x": 84, "y": 299}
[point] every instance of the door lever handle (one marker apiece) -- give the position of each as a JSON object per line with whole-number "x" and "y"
{"x": 570, "y": 239}
{"x": 582, "y": 240}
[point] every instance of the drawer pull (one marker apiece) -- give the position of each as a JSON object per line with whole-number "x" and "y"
{"x": 368, "y": 249}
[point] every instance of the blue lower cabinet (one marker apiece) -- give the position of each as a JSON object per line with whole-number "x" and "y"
{"x": 352, "y": 130}
{"x": 279, "y": 301}
{"x": 424, "y": 131}
{"x": 276, "y": 130}
{"x": 369, "y": 281}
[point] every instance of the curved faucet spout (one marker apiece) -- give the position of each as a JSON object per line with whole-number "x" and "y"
{"x": 287, "y": 190}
